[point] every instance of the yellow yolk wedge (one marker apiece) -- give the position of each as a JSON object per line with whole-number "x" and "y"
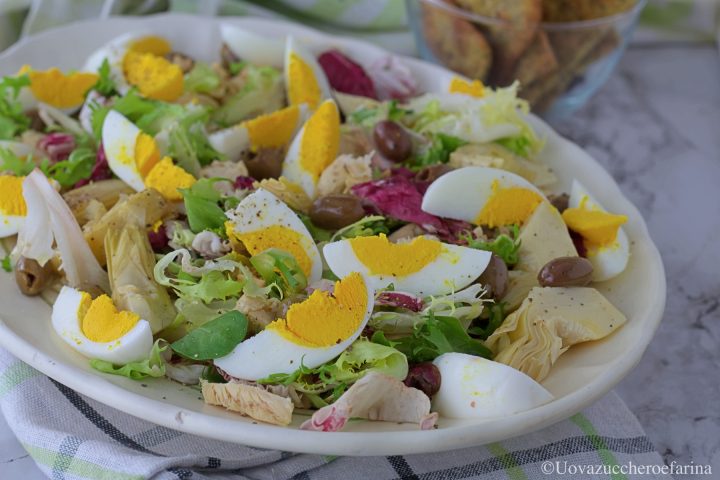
{"x": 324, "y": 320}
{"x": 398, "y": 259}
{"x": 59, "y": 90}
{"x": 11, "y": 197}
{"x": 276, "y": 236}
{"x": 273, "y": 130}
{"x": 101, "y": 321}
{"x": 473, "y": 88}
{"x": 597, "y": 227}
{"x": 154, "y": 76}
{"x": 167, "y": 178}
{"x": 508, "y": 206}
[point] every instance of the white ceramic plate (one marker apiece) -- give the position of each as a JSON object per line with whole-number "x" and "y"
{"x": 581, "y": 376}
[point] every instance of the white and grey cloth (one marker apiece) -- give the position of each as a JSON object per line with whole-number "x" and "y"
{"x": 73, "y": 437}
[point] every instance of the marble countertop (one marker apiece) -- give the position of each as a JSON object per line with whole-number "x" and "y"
{"x": 655, "y": 127}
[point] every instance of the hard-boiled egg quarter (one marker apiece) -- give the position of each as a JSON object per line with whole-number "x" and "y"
{"x": 305, "y": 80}
{"x": 422, "y": 266}
{"x": 253, "y": 48}
{"x": 474, "y": 387}
{"x": 135, "y": 158}
{"x": 262, "y": 221}
{"x": 607, "y": 245}
{"x": 483, "y": 196}
{"x": 272, "y": 130}
{"x": 314, "y": 148}
{"x": 138, "y": 60}
{"x": 313, "y": 332}
{"x": 96, "y": 329}
{"x": 55, "y": 88}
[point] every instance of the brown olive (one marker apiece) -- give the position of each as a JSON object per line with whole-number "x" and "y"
{"x": 31, "y": 278}
{"x": 566, "y": 272}
{"x": 266, "y": 164}
{"x": 36, "y": 122}
{"x": 185, "y": 62}
{"x": 424, "y": 376}
{"x": 495, "y": 277}
{"x": 432, "y": 173}
{"x": 392, "y": 140}
{"x": 336, "y": 211}
{"x": 561, "y": 202}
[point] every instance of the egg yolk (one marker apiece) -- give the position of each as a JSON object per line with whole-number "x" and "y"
{"x": 321, "y": 140}
{"x": 101, "y": 322}
{"x": 597, "y": 227}
{"x": 154, "y": 76}
{"x": 11, "y": 197}
{"x": 303, "y": 86}
{"x": 508, "y": 206}
{"x": 324, "y": 320}
{"x": 474, "y": 88}
{"x": 146, "y": 155}
{"x": 151, "y": 44}
{"x": 275, "y": 236}
{"x": 167, "y": 178}
{"x": 59, "y": 90}
{"x": 383, "y": 257}
{"x": 273, "y": 130}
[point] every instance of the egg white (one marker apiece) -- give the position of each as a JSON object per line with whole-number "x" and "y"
{"x": 119, "y": 136}
{"x": 463, "y": 193}
{"x": 293, "y": 46}
{"x": 454, "y": 269}
{"x": 474, "y": 387}
{"x": 269, "y": 352}
{"x": 292, "y": 169}
{"x": 134, "y": 346}
{"x": 253, "y": 48}
{"x": 262, "y": 209}
{"x": 610, "y": 261}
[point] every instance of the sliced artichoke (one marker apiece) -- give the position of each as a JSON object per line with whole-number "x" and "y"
{"x": 544, "y": 237}
{"x": 548, "y": 322}
{"x": 130, "y": 268}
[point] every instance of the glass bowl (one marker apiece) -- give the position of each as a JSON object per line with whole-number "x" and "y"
{"x": 559, "y": 64}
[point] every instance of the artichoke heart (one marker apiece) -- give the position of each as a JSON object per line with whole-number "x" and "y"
{"x": 544, "y": 237}
{"x": 548, "y": 322}
{"x": 130, "y": 263}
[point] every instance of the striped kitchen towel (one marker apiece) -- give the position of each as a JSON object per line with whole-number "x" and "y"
{"x": 72, "y": 437}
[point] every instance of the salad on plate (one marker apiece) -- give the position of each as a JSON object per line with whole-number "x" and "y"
{"x": 295, "y": 232}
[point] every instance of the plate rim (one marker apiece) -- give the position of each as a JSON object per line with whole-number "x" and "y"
{"x": 261, "y": 435}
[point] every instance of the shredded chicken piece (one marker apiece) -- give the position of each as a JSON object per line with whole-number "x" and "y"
{"x": 260, "y": 311}
{"x": 343, "y": 173}
{"x": 224, "y": 169}
{"x": 249, "y": 400}
{"x": 406, "y": 232}
{"x": 355, "y": 141}
{"x": 209, "y": 245}
{"x": 376, "y": 396}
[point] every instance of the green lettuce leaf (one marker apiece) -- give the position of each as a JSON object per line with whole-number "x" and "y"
{"x": 12, "y": 163}
{"x": 202, "y": 78}
{"x": 279, "y": 267}
{"x": 492, "y": 318}
{"x": 366, "y": 227}
{"x": 105, "y": 85}
{"x": 327, "y": 382}
{"x": 6, "y": 263}
{"x": 153, "y": 366}
{"x": 504, "y": 246}
{"x": 13, "y": 120}
{"x": 433, "y": 337}
{"x": 202, "y": 206}
{"x": 439, "y": 150}
{"x": 213, "y": 339}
